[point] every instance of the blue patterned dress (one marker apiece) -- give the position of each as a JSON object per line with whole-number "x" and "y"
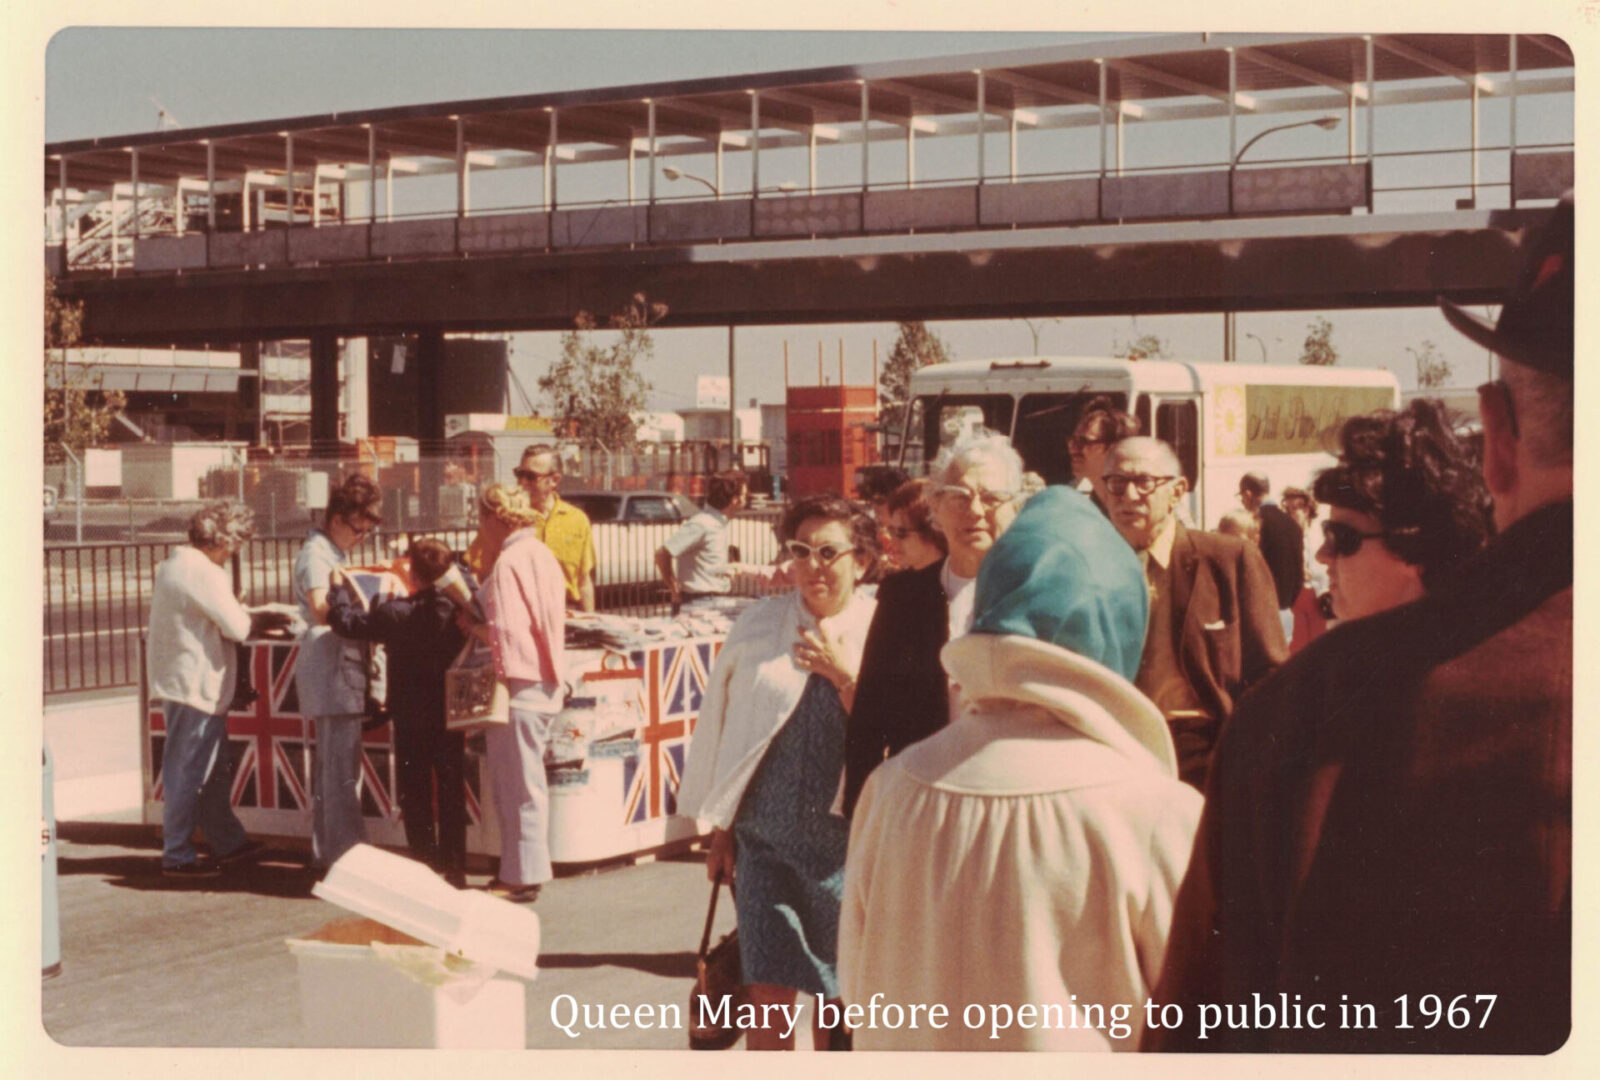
{"x": 790, "y": 850}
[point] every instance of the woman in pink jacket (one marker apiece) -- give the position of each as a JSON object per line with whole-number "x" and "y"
{"x": 524, "y": 599}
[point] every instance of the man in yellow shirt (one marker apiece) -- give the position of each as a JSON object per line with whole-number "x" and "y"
{"x": 562, "y": 527}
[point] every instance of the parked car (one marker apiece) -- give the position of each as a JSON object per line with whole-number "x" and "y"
{"x": 632, "y": 505}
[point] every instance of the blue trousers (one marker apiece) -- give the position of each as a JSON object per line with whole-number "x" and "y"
{"x": 335, "y": 791}
{"x": 196, "y": 789}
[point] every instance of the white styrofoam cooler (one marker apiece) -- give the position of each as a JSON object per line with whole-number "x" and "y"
{"x": 419, "y": 969}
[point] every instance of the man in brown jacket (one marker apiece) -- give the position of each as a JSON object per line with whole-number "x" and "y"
{"x": 1214, "y": 627}
{"x": 1387, "y": 841}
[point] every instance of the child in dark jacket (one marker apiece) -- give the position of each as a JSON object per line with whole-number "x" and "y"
{"x": 422, "y": 639}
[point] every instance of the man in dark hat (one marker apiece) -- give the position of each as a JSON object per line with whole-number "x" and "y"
{"x": 1389, "y": 817}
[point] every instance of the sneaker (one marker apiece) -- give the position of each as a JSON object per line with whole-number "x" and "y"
{"x": 193, "y": 870}
{"x": 248, "y": 851}
{"x": 517, "y": 894}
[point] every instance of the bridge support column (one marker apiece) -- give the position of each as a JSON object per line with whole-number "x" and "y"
{"x": 324, "y": 395}
{"x": 430, "y": 422}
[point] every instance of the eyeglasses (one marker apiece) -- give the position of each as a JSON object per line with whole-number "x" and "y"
{"x": 825, "y": 556}
{"x": 1078, "y": 446}
{"x": 991, "y": 500}
{"x": 529, "y": 474}
{"x": 363, "y": 524}
{"x": 1345, "y": 540}
{"x": 1119, "y": 483}
{"x": 902, "y": 534}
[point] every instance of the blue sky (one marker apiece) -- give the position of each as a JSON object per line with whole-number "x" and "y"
{"x": 108, "y": 81}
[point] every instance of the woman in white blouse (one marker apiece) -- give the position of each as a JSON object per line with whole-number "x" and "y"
{"x": 767, "y": 760}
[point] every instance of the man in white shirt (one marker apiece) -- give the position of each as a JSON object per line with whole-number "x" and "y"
{"x": 694, "y": 560}
{"x": 194, "y": 621}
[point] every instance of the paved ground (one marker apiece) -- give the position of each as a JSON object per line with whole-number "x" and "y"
{"x": 150, "y": 962}
{"x": 147, "y": 962}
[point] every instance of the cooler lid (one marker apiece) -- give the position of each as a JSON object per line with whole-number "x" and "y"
{"x": 406, "y": 895}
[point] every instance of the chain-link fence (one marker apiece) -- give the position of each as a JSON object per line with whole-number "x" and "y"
{"x": 147, "y": 493}
{"x": 97, "y": 596}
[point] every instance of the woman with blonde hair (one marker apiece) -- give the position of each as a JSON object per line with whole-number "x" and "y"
{"x": 524, "y": 599}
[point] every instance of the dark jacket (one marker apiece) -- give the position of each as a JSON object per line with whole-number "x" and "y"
{"x": 1226, "y": 634}
{"x": 1283, "y": 546}
{"x": 1391, "y": 814}
{"x": 422, "y": 639}
{"x": 902, "y": 692}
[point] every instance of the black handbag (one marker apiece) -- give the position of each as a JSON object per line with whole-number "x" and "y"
{"x": 717, "y": 977}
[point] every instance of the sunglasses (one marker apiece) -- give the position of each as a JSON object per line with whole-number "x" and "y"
{"x": 990, "y": 500}
{"x": 529, "y": 474}
{"x": 1345, "y": 540}
{"x": 1078, "y": 446}
{"x": 902, "y": 534}
{"x": 825, "y": 556}
{"x": 1119, "y": 483}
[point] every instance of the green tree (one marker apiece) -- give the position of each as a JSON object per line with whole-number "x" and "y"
{"x": 76, "y": 411}
{"x": 916, "y": 347}
{"x": 1432, "y": 368}
{"x": 1319, "y": 349}
{"x": 1143, "y": 347}
{"x": 594, "y": 389}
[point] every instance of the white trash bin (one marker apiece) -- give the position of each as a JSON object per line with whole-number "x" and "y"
{"x": 420, "y": 970}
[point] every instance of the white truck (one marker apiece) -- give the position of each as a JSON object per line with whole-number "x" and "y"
{"x": 1222, "y": 419}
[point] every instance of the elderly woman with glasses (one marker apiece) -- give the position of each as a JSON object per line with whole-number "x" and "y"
{"x": 767, "y": 759}
{"x": 904, "y": 694}
{"x": 1405, "y": 503}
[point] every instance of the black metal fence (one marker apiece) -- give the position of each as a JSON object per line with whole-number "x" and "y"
{"x": 97, "y": 596}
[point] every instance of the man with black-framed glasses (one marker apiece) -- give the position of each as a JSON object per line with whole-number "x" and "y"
{"x": 1214, "y": 628}
{"x": 1390, "y": 817}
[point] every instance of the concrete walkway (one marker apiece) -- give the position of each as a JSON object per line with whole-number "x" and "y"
{"x": 94, "y": 741}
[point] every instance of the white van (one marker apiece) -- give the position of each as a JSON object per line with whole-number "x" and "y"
{"x": 1224, "y": 420}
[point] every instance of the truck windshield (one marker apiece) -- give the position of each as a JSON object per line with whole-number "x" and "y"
{"x": 938, "y": 420}
{"x": 1043, "y": 424}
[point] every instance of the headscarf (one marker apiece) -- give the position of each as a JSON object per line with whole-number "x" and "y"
{"x": 1062, "y": 574}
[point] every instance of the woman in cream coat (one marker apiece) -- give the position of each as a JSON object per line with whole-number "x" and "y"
{"x": 1029, "y": 853}
{"x": 767, "y": 760}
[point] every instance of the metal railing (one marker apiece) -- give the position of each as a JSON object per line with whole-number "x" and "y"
{"x": 97, "y": 596}
{"x": 674, "y": 218}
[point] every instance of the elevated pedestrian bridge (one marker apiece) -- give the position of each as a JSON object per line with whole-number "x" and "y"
{"x": 1112, "y": 176}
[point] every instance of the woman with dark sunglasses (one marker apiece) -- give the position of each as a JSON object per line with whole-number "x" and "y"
{"x": 1406, "y": 504}
{"x": 766, "y": 765}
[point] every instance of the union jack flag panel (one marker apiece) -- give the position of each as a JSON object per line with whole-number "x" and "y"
{"x": 674, "y": 686}
{"x": 267, "y": 748}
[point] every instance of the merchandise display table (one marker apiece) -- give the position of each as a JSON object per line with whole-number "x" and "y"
{"x": 615, "y": 757}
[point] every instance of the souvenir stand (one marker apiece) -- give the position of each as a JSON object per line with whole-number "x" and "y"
{"x": 615, "y": 756}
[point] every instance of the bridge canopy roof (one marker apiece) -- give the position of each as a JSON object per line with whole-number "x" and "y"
{"x": 1151, "y": 68}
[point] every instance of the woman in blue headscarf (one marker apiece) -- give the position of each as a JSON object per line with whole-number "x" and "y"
{"x": 1028, "y": 853}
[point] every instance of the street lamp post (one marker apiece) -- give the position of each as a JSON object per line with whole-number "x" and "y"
{"x": 1259, "y": 342}
{"x": 1230, "y": 339}
{"x": 1326, "y": 123}
{"x": 674, "y": 173}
